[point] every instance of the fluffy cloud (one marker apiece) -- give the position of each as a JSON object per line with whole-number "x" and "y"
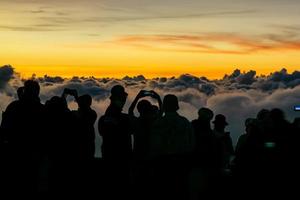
{"x": 6, "y": 73}
{"x": 238, "y": 95}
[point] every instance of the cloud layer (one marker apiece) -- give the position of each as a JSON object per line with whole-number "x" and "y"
{"x": 238, "y": 95}
{"x": 225, "y": 43}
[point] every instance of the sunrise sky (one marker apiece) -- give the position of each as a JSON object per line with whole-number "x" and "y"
{"x": 151, "y": 37}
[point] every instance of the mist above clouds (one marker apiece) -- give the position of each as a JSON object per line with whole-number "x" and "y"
{"x": 238, "y": 95}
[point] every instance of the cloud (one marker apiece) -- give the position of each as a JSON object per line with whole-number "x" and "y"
{"x": 6, "y": 74}
{"x": 30, "y": 28}
{"x": 225, "y": 43}
{"x": 238, "y": 95}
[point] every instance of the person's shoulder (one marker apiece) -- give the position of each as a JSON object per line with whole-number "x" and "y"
{"x": 194, "y": 122}
{"x": 184, "y": 119}
{"x": 93, "y": 113}
{"x": 12, "y": 106}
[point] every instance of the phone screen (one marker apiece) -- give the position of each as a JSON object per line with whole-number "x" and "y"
{"x": 297, "y": 108}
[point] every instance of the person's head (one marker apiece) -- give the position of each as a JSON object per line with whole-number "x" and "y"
{"x": 118, "y": 96}
{"x": 220, "y": 122}
{"x": 144, "y": 107}
{"x": 31, "y": 89}
{"x": 277, "y": 115}
{"x": 170, "y": 103}
{"x": 56, "y": 104}
{"x": 205, "y": 114}
{"x": 20, "y": 92}
{"x": 84, "y": 101}
{"x": 251, "y": 125}
{"x": 263, "y": 114}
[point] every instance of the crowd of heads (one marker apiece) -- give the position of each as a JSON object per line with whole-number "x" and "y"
{"x": 157, "y": 149}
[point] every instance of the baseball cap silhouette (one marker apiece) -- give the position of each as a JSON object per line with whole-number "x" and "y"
{"x": 220, "y": 119}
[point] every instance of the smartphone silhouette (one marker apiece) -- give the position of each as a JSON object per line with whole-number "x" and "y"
{"x": 147, "y": 93}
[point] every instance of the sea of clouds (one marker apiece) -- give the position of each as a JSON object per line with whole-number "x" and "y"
{"x": 238, "y": 95}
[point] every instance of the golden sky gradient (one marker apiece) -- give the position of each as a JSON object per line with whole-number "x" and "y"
{"x": 155, "y": 38}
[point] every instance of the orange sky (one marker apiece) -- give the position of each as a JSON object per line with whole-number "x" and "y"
{"x": 153, "y": 38}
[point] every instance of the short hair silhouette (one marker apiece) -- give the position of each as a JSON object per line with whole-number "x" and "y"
{"x": 250, "y": 122}
{"x": 20, "y": 92}
{"x": 170, "y": 103}
{"x": 118, "y": 91}
{"x": 205, "y": 114}
{"x": 144, "y": 107}
{"x": 263, "y": 114}
{"x": 31, "y": 88}
{"x": 57, "y": 103}
{"x": 277, "y": 115}
{"x": 84, "y": 101}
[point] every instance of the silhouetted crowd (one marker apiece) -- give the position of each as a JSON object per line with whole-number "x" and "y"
{"x": 49, "y": 149}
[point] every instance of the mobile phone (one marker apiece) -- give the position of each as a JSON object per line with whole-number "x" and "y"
{"x": 297, "y": 108}
{"x": 147, "y": 93}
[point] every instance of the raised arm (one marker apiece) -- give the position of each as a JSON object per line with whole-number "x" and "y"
{"x": 157, "y": 97}
{"x": 135, "y": 101}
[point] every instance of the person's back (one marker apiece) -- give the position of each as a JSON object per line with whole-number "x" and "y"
{"x": 115, "y": 131}
{"x": 26, "y": 138}
{"x": 224, "y": 140}
{"x": 207, "y": 150}
{"x": 61, "y": 145}
{"x": 172, "y": 144}
{"x": 175, "y": 135}
{"x": 86, "y": 118}
{"x": 114, "y": 128}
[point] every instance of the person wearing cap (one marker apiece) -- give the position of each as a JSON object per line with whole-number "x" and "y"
{"x": 171, "y": 144}
{"x": 115, "y": 129}
{"x": 206, "y": 144}
{"x": 224, "y": 139}
{"x": 207, "y": 156}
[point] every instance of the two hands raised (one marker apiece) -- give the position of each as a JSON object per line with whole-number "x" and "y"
{"x": 145, "y": 93}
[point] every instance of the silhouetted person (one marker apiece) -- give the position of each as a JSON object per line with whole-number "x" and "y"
{"x": 7, "y": 118}
{"x": 172, "y": 144}
{"x": 224, "y": 138}
{"x": 115, "y": 130}
{"x": 143, "y": 124}
{"x": 5, "y": 131}
{"x": 62, "y": 145}
{"x": 24, "y": 130}
{"x": 86, "y": 117}
{"x": 246, "y": 158}
{"x": 266, "y": 158}
{"x": 142, "y": 127}
{"x": 278, "y": 160}
{"x": 207, "y": 157}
